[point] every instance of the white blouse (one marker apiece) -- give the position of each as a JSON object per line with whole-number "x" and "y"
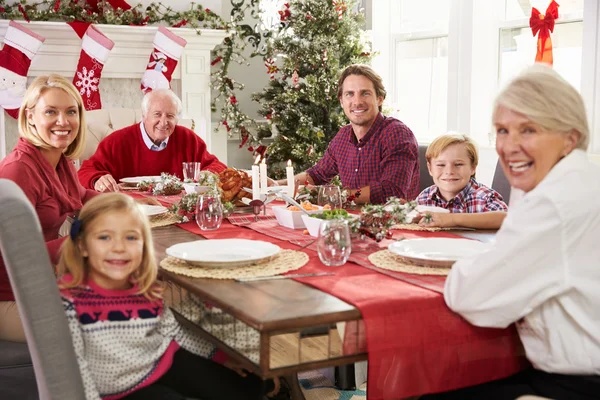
{"x": 543, "y": 271}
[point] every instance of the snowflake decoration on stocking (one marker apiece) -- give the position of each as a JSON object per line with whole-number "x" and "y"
{"x": 86, "y": 82}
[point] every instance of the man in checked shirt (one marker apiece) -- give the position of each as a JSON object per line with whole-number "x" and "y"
{"x": 375, "y": 156}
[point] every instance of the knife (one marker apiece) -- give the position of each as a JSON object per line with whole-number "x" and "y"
{"x": 267, "y": 278}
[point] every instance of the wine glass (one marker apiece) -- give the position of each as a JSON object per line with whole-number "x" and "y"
{"x": 330, "y": 195}
{"x": 209, "y": 212}
{"x": 333, "y": 244}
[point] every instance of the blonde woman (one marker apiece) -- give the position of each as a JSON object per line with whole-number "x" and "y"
{"x": 52, "y": 129}
{"x": 543, "y": 272}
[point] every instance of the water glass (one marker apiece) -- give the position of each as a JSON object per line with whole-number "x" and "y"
{"x": 191, "y": 170}
{"x": 330, "y": 195}
{"x": 333, "y": 244}
{"x": 209, "y": 212}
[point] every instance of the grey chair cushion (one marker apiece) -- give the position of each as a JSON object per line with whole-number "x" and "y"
{"x": 13, "y": 355}
{"x": 425, "y": 179}
{"x": 500, "y": 183}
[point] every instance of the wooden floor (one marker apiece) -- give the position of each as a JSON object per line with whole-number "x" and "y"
{"x": 289, "y": 349}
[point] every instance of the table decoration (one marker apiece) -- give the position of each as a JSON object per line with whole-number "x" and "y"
{"x": 385, "y": 259}
{"x": 285, "y": 261}
{"x": 168, "y": 185}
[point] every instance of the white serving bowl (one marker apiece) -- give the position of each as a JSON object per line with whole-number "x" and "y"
{"x": 191, "y": 188}
{"x": 291, "y": 219}
{"x": 312, "y": 224}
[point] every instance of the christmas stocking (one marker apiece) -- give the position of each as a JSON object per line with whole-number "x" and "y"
{"x": 95, "y": 48}
{"x": 163, "y": 60}
{"x": 20, "y": 46}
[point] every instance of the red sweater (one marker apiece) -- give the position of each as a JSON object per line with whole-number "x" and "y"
{"x": 124, "y": 154}
{"x": 55, "y": 194}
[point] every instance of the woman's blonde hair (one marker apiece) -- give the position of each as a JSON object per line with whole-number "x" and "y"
{"x": 548, "y": 100}
{"x": 72, "y": 262}
{"x": 35, "y": 90}
{"x": 442, "y": 142}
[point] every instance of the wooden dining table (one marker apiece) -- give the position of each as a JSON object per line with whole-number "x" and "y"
{"x": 297, "y": 319}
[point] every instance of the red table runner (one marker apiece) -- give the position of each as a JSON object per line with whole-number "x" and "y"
{"x": 415, "y": 344}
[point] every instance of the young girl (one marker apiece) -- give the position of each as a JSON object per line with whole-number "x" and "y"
{"x": 128, "y": 344}
{"x": 452, "y": 160}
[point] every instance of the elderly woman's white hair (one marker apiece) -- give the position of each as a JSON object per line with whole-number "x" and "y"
{"x": 548, "y": 100}
{"x": 161, "y": 92}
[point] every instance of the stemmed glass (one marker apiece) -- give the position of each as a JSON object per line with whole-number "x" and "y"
{"x": 209, "y": 212}
{"x": 330, "y": 195}
{"x": 334, "y": 244}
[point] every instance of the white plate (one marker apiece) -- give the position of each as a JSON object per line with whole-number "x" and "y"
{"x": 138, "y": 179}
{"x": 436, "y": 252}
{"x": 191, "y": 188}
{"x": 424, "y": 209}
{"x": 153, "y": 210}
{"x": 224, "y": 253}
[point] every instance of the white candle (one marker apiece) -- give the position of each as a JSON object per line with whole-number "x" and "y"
{"x": 263, "y": 176}
{"x": 289, "y": 172}
{"x": 256, "y": 180}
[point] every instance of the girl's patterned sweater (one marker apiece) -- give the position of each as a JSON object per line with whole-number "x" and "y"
{"x": 123, "y": 341}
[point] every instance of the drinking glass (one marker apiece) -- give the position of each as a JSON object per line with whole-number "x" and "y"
{"x": 209, "y": 212}
{"x": 191, "y": 170}
{"x": 333, "y": 244}
{"x": 330, "y": 195}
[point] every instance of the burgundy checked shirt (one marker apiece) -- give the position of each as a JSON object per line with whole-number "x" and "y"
{"x": 474, "y": 198}
{"x": 386, "y": 159}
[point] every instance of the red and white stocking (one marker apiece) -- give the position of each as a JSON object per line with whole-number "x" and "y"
{"x": 20, "y": 46}
{"x": 163, "y": 60}
{"x": 95, "y": 48}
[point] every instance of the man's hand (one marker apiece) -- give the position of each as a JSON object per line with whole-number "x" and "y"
{"x": 236, "y": 366}
{"x": 106, "y": 183}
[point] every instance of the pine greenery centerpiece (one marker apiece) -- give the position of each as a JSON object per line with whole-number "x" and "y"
{"x": 314, "y": 42}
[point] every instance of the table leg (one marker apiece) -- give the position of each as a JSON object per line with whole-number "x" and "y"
{"x": 295, "y": 389}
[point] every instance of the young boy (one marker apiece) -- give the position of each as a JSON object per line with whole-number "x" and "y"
{"x": 452, "y": 160}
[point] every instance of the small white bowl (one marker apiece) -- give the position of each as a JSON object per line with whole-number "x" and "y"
{"x": 291, "y": 219}
{"x": 191, "y": 188}
{"x": 312, "y": 224}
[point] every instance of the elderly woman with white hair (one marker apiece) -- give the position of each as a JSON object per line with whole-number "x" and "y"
{"x": 543, "y": 272}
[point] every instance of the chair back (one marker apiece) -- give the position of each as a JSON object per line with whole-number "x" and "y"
{"x": 34, "y": 286}
{"x": 500, "y": 183}
{"x": 103, "y": 122}
{"x": 425, "y": 179}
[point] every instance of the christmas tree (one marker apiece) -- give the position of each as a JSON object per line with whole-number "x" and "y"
{"x": 314, "y": 42}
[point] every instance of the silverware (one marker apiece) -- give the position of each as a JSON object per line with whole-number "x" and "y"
{"x": 268, "y": 278}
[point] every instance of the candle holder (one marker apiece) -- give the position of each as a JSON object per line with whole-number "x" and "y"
{"x": 256, "y": 206}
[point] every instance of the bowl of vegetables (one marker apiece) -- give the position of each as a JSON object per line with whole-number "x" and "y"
{"x": 313, "y": 222}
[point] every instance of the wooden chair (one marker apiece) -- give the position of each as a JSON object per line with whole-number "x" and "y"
{"x": 500, "y": 183}
{"x": 34, "y": 285}
{"x": 425, "y": 179}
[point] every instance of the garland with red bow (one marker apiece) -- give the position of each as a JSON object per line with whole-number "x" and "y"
{"x": 544, "y": 25}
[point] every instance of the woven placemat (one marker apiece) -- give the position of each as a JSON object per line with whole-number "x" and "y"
{"x": 165, "y": 219}
{"x": 417, "y": 227}
{"x": 385, "y": 259}
{"x": 285, "y": 261}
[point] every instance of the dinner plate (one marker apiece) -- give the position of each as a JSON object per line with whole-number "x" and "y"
{"x": 153, "y": 210}
{"x": 224, "y": 253}
{"x": 436, "y": 252}
{"x": 134, "y": 180}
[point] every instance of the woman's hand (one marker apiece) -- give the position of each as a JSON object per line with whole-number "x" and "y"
{"x": 106, "y": 183}
{"x": 437, "y": 220}
{"x": 236, "y": 366}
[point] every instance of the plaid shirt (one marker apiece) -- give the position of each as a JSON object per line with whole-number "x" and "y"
{"x": 474, "y": 198}
{"x": 386, "y": 159}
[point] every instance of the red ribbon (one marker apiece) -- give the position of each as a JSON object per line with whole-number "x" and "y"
{"x": 544, "y": 24}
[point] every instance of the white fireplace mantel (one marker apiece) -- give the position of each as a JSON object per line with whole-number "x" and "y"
{"x": 128, "y": 58}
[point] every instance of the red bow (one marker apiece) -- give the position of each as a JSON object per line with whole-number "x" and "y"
{"x": 544, "y": 24}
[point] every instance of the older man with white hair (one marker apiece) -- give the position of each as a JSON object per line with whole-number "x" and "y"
{"x": 155, "y": 145}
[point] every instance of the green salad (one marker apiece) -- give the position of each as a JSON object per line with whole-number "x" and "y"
{"x": 332, "y": 214}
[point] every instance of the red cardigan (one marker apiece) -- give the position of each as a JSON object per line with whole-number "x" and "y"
{"x": 55, "y": 194}
{"x": 124, "y": 154}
